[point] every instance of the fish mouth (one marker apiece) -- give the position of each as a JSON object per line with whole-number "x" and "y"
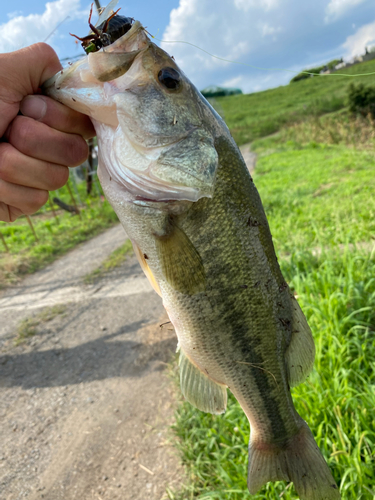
{"x": 95, "y": 69}
{"x": 147, "y": 152}
{"x": 129, "y": 41}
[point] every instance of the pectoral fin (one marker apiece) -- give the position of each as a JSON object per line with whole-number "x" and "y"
{"x": 199, "y": 389}
{"x": 301, "y": 351}
{"x": 181, "y": 263}
{"x": 145, "y": 268}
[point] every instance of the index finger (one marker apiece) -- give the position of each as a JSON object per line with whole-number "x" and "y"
{"x": 57, "y": 116}
{"x": 22, "y": 73}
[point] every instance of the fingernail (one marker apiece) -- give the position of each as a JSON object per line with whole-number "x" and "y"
{"x": 34, "y": 107}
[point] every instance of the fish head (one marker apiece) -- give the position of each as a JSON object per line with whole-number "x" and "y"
{"x": 155, "y": 132}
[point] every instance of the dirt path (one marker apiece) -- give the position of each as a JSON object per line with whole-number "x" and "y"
{"x": 249, "y": 157}
{"x": 86, "y": 403}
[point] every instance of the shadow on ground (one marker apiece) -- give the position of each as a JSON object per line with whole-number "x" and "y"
{"x": 111, "y": 355}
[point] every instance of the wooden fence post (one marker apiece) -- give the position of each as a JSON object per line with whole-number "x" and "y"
{"x": 73, "y": 200}
{"x": 5, "y": 243}
{"x": 32, "y": 227}
{"x": 52, "y": 208}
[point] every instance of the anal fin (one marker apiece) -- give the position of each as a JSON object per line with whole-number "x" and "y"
{"x": 199, "y": 389}
{"x": 300, "y": 354}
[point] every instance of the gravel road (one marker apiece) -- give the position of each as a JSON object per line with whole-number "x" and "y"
{"x": 86, "y": 402}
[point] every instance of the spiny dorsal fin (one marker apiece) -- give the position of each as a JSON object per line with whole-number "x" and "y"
{"x": 199, "y": 389}
{"x": 181, "y": 263}
{"x": 301, "y": 351}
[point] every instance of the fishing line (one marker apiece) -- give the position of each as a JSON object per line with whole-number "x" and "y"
{"x": 58, "y": 26}
{"x": 258, "y": 67}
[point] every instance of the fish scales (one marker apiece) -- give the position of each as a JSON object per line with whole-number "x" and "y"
{"x": 239, "y": 303}
{"x": 178, "y": 183}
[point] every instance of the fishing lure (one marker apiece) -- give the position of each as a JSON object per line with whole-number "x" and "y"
{"x": 106, "y": 30}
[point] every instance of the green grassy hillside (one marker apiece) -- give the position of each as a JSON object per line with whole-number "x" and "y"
{"x": 250, "y": 116}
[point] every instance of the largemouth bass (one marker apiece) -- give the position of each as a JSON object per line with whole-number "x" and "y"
{"x": 178, "y": 183}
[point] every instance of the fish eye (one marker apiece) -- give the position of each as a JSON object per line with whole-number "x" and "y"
{"x": 170, "y": 78}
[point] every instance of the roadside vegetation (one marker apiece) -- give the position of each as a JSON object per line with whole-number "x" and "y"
{"x": 114, "y": 260}
{"x": 316, "y": 178}
{"x": 28, "y": 327}
{"x": 55, "y": 234}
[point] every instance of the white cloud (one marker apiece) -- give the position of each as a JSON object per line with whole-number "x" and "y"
{"x": 15, "y": 13}
{"x": 268, "y": 30}
{"x": 249, "y": 83}
{"x": 237, "y": 81}
{"x": 20, "y": 30}
{"x": 336, "y": 8}
{"x": 249, "y": 4}
{"x": 223, "y": 31}
{"x": 355, "y": 44}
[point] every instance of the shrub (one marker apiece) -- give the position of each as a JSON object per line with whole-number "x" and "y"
{"x": 305, "y": 74}
{"x": 361, "y": 99}
{"x": 316, "y": 71}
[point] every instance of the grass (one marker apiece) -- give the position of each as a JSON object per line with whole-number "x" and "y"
{"x": 251, "y": 116}
{"x": 318, "y": 195}
{"x": 334, "y": 128}
{"x": 55, "y": 236}
{"x": 315, "y": 196}
{"x": 28, "y": 327}
{"x": 116, "y": 259}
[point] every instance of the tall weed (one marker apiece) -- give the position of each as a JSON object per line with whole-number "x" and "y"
{"x": 357, "y": 131}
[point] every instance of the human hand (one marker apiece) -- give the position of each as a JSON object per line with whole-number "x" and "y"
{"x": 36, "y": 148}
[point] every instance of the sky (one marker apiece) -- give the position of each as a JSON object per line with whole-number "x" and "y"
{"x": 278, "y": 36}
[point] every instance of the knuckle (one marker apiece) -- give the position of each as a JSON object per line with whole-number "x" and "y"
{"x": 44, "y": 51}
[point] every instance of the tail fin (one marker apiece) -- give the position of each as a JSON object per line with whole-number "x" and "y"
{"x": 299, "y": 461}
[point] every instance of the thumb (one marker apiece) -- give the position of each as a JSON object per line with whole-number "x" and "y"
{"x": 21, "y": 73}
